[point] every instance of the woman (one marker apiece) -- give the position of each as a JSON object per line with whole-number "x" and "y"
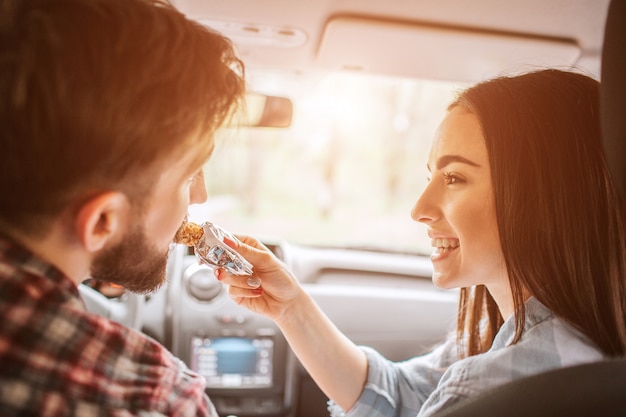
{"x": 524, "y": 218}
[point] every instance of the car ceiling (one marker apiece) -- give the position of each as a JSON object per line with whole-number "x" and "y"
{"x": 455, "y": 40}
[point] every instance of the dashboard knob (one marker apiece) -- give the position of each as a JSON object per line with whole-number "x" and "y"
{"x": 201, "y": 284}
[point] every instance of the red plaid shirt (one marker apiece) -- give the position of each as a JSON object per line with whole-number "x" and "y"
{"x": 57, "y": 359}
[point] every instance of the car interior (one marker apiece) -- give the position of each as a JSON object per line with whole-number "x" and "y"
{"x": 340, "y": 92}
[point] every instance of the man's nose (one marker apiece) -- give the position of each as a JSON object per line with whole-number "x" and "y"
{"x": 197, "y": 191}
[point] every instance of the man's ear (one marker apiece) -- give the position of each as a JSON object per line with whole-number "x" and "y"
{"x": 102, "y": 219}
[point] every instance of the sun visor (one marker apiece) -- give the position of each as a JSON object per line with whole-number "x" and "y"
{"x": 437, "y": 52}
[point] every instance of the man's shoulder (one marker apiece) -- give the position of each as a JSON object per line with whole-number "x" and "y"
{"x": 59, "y": 355}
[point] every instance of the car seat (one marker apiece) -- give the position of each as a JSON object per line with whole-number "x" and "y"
{"x": 613, "y": 91}
{"x": 594, "y": 389}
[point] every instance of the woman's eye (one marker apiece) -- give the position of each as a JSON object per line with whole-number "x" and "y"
{"x": 452, "y": 178}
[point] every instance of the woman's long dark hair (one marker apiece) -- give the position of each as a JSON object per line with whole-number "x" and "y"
{"x": 560, "y": 217}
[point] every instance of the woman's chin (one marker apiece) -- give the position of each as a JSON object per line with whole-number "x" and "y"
{"x": 443, "y": 281}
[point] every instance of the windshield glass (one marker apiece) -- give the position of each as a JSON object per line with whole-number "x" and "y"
{"x": 345, "y": 174}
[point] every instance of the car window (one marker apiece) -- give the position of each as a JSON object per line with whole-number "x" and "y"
{"x": 345, "y": 173}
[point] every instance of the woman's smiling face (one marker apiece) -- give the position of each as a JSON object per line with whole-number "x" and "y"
{"x": 458, "y": 208}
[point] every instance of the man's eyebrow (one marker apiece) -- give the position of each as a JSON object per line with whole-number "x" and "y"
{"x": 448, "y": 159}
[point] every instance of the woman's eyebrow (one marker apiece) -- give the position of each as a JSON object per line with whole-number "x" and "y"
{"x": 448, "y": 159}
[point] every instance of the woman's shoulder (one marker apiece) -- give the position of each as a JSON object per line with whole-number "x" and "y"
{"x": 547, "y": 342}
{"x": 549, "y": 336}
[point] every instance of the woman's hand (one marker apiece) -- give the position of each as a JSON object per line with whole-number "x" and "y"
{"x": 336, "y": 364}
{"x": 279, "y": 288}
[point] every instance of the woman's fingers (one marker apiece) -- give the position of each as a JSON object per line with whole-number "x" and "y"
{"x": 251, "y": 241}
{"x": 239, "y": 292}
{"x": 239, "y": 287}
{"x": 239, "y": 281}
{"x": 254, "y": 282}
{"x": 264, "y": 263}
{"x": 250, "y": 248}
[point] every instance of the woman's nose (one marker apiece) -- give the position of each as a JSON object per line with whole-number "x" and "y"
{"x": 425, "y": 209}
{"x": 197, "y": 191}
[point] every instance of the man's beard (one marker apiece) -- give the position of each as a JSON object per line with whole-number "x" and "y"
{"x": 134, "y": 264}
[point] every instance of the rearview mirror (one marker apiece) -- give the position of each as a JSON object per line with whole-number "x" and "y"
{"x": 260, "y": 110}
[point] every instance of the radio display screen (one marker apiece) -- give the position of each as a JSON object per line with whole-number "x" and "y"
{"x": 233, "y": 362}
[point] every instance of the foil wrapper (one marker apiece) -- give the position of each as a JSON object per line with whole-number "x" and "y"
{"x": 212, "y": 250}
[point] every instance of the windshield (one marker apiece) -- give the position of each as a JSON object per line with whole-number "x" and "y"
{"x": 345, "y": 174}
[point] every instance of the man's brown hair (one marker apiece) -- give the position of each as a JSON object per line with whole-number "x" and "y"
{"x": 95, "y": 92}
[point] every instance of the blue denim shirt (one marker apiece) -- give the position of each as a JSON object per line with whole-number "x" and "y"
{"x": 426, "y": 384}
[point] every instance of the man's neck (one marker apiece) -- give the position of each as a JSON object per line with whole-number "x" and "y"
{"x": 57, "y": 248}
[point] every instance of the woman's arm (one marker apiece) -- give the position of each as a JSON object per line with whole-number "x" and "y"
{"x": 336, "y": 364}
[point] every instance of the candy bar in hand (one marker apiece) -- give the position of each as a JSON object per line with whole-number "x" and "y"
{"x": 209, "y": 247}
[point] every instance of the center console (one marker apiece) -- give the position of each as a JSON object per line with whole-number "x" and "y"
{"x": 234, "y": 362}
{"x": 245, "y": 360}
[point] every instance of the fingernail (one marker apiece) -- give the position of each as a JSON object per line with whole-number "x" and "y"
{"x": 217, "y": 273}
{"x": 230, "y": 242}
{"x": 254, "y": 282}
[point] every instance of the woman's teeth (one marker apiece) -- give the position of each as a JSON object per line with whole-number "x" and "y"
{"x": 444, "y": 245}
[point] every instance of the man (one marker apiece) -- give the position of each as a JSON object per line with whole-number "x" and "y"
{"x": 108, "y": 109}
